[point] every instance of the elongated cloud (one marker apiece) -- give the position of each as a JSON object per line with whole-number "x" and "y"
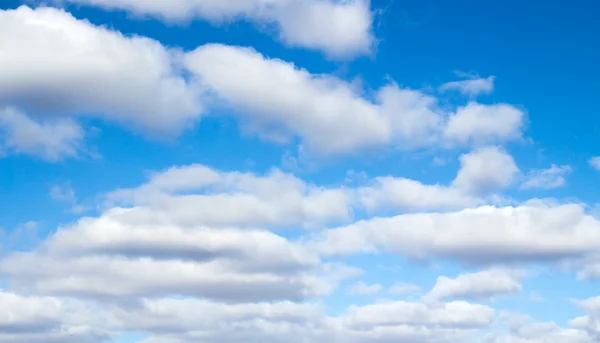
{"x": 342, "y": 29}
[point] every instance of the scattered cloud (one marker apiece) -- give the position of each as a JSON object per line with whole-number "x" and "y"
{"x": 196, "y": 253}
{"x": 65, "y": 193}
{"x": 51, "y": 140}
{"x": 553, "y": 177}
{"x": 483, "y": 284}
{"x": 595, "y": 162}
{"x": 473, "y": 85}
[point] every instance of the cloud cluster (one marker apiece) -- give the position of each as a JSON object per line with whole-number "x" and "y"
{"x": 198, "y": 254}
{"x": 64, "y": 66}
{"x": 341, "y": 29}
{"x": 151, "y": 266}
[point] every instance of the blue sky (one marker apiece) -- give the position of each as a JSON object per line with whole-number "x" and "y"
{"x": 286, "y": 171}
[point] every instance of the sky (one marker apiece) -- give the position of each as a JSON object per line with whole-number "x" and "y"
{"x": 349, "y": 171}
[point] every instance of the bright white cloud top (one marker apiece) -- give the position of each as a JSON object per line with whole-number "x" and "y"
{"x": 410, "y": 213}
{"x": 341, "y": 29}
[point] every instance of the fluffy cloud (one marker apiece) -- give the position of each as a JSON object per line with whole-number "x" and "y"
{"x": 286, "y": 322}
{"x": 339, "y": 28}
{"x": 553, "y": 177}
{"x": 472, "y": 86}
{"x": 485, "y": 170}
{"x": 482, "y": 172}
{"x": 279, "y": 101}
{"x": 44, "y": 319}
{"x": 60, "y": 64}
{"x": 591, "y": 321}
{"x": 105, "y": 258}
{"x": 52, "y": 140}
{"x": 483, "y": 284}
{"x": 400, "y": 193}
{"x": 134, "y": 81}
{"x": 480, "y": 124}
{"x": 196, "y": 194}
{"x": 522, "y": 329}
{"x": 535, "y": 231}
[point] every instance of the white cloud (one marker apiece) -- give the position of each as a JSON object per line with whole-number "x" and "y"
{"x": 361, "y": 288}
{"x": 485, "y": 170}
{"x": 591, "y": 321}
{"x": 196, "y": 194}
{"x": 277, "y": 100}
{"x": 553, "y": 177}
{"x": 339, "y": 28}
{"x": 480, "y": 124}
{"x": 51, "y": 140}
{"x": 595, "y": 162}
{"x": 134, "y": 81}
{"x": 47, "y": 320}
{"x": 60, "y": 64}
{"x": 482, "y": 172}
{"x": 400, "y": 193}
{"x": 522, "y": 329}
{"x": 483, "y": 284}
{"x": 481, "y": 236}
{"x": 456, "y": 313}
{"x": 106, "y": 258}
{"x": 472, "y": 86}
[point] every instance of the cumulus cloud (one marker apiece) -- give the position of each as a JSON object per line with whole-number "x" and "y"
{"x": 196, "y": 194}
{"x": 45, "y": 319}
{"x": 553, "y": 177}
{"x": 522, "y": 329}
{"x": 68, "y": 66}
{"x": 279, "y": 101}
{"x": 481, "y": 124}
{"x": 591, "y": 321}
{"x": 341, "y": 29}
{"x": 106, "y": 258}
{"x": 482, "y": 172}
{"x": 135, "y": 81}
{"x": 485, "y": 170}
{"x": 52, "y": 140}
{"x": 483, "y": 284}
{"x": 535, "y": 231}
{"x": 400, "y": 193}
{"x": 473, "y": 85}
